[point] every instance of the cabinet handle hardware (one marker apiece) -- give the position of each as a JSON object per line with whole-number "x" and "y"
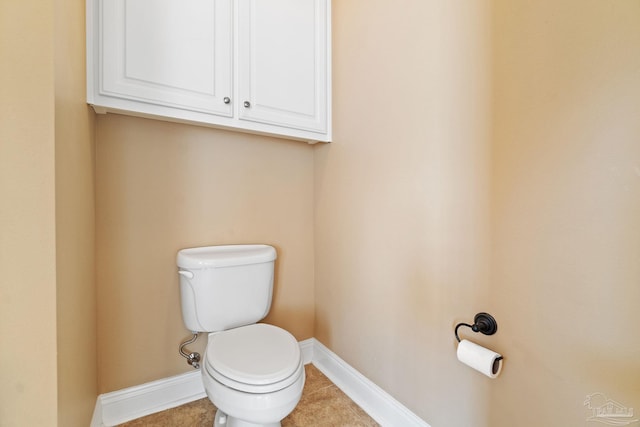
{"x": 226, "y": 100}
{"x": 247, "y": 104}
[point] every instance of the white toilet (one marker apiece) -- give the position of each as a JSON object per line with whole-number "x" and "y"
{"x": 252, "y": 372}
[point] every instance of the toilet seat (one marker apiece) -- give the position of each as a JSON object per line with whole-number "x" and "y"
{"x": 257, "y": 358}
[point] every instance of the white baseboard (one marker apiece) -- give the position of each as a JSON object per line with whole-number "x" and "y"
{"x": 380, "y": 406}
{"x": 306, "y": 347}
{"x": 134, "y": 402}
{"x": 130, "y": 403}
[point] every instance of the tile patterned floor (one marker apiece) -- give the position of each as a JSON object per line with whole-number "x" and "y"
{"x": 322, "y": 405}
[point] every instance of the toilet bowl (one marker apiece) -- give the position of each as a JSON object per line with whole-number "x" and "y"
{"x": 253, "y": 374}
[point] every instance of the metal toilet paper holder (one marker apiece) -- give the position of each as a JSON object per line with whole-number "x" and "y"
{"x": 482, "y": 322}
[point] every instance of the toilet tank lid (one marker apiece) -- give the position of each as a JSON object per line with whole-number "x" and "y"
{"x": 225, "y": 256}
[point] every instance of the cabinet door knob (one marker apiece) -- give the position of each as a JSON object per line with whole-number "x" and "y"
{"x": 247, "y": 104}
{"x": 227, "y": 100}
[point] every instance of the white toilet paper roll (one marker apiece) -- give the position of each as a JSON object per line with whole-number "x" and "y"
{"x": 479, "y": 358}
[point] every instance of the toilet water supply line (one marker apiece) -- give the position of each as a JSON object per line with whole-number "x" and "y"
{"x": 193, "y": 358}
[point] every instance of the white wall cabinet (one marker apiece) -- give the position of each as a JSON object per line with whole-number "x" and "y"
{"x": 260, "y": 66}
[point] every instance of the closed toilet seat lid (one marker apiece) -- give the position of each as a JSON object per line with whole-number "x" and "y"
{"x": 258, "y": 358}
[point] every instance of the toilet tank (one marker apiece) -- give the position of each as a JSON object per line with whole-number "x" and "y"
{"x": 223, "y": 287}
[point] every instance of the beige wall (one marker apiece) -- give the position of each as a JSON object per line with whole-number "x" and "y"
{"x": 27, "y": 216}
{"x": 488, "y": 161}
{"x": 402, "y": 199}
{"x": 164, "y": 186}
{"x": 75, "y": 201}
{"x": 47, "y": 298}
{"x": 566, "y": 207}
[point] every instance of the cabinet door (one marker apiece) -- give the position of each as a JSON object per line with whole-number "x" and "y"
{"x": 166, "y": 52}
{"x": 282, "y": 63}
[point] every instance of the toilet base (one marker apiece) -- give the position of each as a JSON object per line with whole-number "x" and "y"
{"x": 224, "y": 420}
